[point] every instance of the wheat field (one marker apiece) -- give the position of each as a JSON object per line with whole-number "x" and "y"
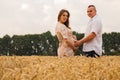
{"x": 54, "y": 68}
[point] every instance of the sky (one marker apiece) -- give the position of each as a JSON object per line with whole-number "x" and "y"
{"x": 20, "y": 17}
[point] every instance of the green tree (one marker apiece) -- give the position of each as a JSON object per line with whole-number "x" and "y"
{"x": 6, "y": 45}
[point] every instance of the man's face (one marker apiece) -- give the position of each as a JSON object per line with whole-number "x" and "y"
{"x": 91, "y": 12}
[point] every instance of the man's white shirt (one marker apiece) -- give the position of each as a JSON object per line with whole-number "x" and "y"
{"x": 94, "y": 25}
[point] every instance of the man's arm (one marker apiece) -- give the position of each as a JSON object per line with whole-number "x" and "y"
{"x": 86, "y": 39}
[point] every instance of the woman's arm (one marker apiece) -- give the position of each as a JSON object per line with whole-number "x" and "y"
{"x": 60, "y": 37}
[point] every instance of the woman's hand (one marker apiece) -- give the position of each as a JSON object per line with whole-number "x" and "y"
{"x": 75, "y": 49}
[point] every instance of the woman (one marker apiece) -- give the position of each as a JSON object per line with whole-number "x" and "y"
{"x": 65, "y": 35}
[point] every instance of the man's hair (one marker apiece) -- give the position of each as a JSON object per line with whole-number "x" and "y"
{"x": 92, "y": 6}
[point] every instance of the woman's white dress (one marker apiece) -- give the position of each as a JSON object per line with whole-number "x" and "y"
{"x": 62, "y": 33}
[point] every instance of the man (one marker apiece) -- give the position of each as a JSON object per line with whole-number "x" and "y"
{"x": 92, "y": 42}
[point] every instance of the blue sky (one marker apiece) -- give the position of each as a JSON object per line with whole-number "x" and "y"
{"x": 37, "y": 16}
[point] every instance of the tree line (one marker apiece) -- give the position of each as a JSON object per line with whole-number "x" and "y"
{"x": 47, "y": 44}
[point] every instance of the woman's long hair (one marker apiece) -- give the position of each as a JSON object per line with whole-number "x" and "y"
{"x": 59, "y": 15}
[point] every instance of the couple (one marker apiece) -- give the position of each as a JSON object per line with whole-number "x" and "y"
{"x": 68, "y": 43}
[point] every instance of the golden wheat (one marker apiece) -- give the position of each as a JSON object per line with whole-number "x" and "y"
{"x": 54, "y": 68}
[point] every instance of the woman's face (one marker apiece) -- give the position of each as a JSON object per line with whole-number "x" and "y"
{"x": 64, "y": 17}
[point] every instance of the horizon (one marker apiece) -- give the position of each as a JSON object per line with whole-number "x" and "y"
{"x": 47, "y": 31}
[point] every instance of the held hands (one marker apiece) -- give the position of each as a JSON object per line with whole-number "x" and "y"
{"x": 77, "y": 43}
{"x": 75, "y": 48}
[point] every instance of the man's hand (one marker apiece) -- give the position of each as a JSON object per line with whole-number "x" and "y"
{"x": 77, "y": 43}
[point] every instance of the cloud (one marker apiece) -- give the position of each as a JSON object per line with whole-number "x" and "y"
{"x": 25, "y": 6}
{"x": 60, "y": 2}
{"x": 37, "y": 16}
